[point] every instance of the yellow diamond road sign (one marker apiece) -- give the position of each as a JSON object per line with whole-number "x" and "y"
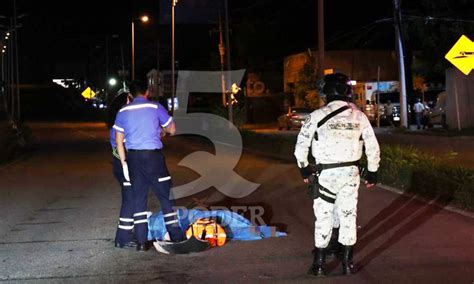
{"x": 461, "y": 55}
{"x": 88, "y": 93}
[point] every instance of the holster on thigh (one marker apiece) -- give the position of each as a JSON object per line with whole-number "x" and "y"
{"x": 319, "y": 191}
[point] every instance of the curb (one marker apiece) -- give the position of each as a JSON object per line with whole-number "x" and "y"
{"x": 427, "y": 201}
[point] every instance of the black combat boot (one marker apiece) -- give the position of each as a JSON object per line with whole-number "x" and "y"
{"x": 347, "y": 262}
{"x": 318, "y": 267}
{"x": 334, "y": 248}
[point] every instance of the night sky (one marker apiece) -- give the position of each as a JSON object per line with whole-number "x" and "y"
{"x": 64, "y": 39}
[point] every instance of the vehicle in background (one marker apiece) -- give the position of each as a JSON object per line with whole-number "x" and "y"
{"x": 367, "y": 91}
{"x": 366, "y": 95}
{"x": 294, "y": 118}
{"x": 437, "y": 113}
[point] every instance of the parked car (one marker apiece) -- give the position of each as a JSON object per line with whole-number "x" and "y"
{"x": 294, "y": 118}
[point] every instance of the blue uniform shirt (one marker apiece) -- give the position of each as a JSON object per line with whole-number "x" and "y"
{"x": 140, "y": 122}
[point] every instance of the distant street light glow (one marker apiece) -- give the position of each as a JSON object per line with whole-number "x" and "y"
{"x": 112, "y": 82}
{"x": 145, "y": 19}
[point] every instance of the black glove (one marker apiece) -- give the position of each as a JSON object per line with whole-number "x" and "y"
{"x": 371, "y": 178}
{"x": 306, "y": 172}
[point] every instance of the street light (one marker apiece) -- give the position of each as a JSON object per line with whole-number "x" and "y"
{"x": 112, "y": 81}
{"x": 144, "y": 19}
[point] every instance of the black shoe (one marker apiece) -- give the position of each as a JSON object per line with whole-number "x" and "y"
{"x": 130, "y": 244}
{"x": 142, "y": 247}
{"x": 347, "y": 262}
{"x": 319, "y": 262}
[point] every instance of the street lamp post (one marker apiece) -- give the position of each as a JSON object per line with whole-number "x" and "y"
{"x": 133, "y": 50}
{"x": 320, "y": 64}
{"x": 144, "y": 19}
{"x": 401, "y": 64}
{"x": 173, "y": 94}
{"x": 230, "y": 99}
{"x": 16, "y": 60}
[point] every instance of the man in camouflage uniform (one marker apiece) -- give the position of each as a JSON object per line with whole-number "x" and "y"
{"x": 336, "y": 133}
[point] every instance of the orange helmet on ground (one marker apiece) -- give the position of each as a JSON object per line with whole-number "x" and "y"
{"x": 209, "y": 230}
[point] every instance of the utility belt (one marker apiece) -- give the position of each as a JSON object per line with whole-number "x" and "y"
{"x": 319, "y": 191}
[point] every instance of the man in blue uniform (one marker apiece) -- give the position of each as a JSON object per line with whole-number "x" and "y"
{"x": 124, "y": 234}
{"x": 139, "y": 125}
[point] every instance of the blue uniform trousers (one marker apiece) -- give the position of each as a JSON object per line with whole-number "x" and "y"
{"x": 125, "y": 224}
{"x": 148, "y": 169}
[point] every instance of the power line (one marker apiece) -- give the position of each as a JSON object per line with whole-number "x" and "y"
{"x": 430, "y": 18}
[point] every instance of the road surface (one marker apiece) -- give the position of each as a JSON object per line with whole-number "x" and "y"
{"x": 59, "y": 208}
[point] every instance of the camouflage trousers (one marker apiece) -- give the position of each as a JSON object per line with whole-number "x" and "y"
{"x": 344, "y": 184}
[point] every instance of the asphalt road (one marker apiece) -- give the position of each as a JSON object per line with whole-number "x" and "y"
{"x": 59, "y": 208}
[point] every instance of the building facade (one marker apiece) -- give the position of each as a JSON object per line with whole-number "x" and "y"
{"x": 359, "y": 65}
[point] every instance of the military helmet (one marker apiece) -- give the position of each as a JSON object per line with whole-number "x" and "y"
{"x": 336, "y": 84}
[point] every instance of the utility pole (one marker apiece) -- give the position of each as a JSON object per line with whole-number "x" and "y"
{"x": 173, "y": 94}
{"x": 158, "y": 55}
{"x": 227, "y": 40}
{"x": 4, "y": 86}
{"x": 11, "y": 73}
{"x": 222, "y": 55}
{"x": 106, "y": 68}
{"x": 377, "y": 109}
{"x": 122, "y": 57}
{"x": 320, "y": 64}
{"x": 158, "y": 44}
{"x": 17, "y": 74}
{"x": 401, "y": 62}
{"x": 133, "y": 50}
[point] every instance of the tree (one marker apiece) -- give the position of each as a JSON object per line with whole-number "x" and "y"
{"x": 306, "y": 84}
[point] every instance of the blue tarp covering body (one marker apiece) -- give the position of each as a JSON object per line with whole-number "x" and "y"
{"x": 235, "y": 226}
